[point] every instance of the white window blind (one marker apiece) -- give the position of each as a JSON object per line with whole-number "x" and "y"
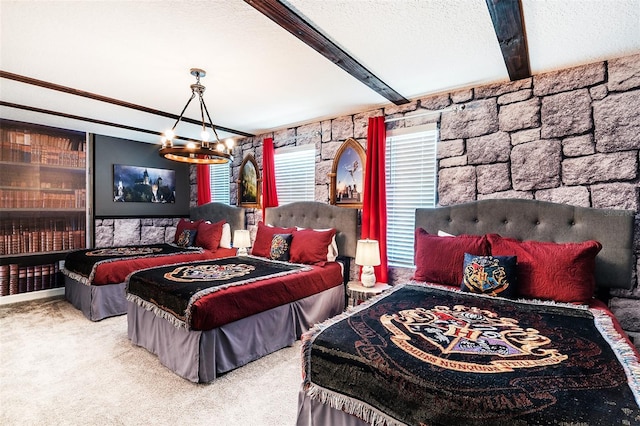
{"x": 295, "y": 173}
{"x": 220, "y": 182}
{"x": 411, "y": 172}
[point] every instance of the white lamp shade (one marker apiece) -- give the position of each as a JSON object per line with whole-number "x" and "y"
{"x": 241, "y": 238}
{"x": 367, "y": 253}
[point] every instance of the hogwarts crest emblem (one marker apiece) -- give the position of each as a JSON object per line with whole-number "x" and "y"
{"x": 208, "y": 272}
{"x": 447, "y": 337}
{"x": 124, "y": 251}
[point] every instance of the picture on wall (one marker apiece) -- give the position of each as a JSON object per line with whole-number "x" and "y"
{"x": 143, "y": 184}
{"x": 249, "y": 183}
{"x": 347, "y": 175}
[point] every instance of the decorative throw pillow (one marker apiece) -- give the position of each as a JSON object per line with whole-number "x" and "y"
{"x": 264, "y": 236}
{"x": 185, "y": 224}
{"x": 225, "y": 240}
{"x": 187, "y": 238}
{"x": 564, "y": 272}
{"x": 280, "y": 247}
{"x": 492, "y": 275}
{"x": 209, "y": 235}
{"x": 440, "y": 259}
{"x": 311, "y": 246}
{"x": 332, "y": 249}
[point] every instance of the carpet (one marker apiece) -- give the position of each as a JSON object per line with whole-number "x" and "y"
{"x": 58, "y": 368}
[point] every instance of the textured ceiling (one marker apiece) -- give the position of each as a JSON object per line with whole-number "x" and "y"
{"x": 259, "y": 76}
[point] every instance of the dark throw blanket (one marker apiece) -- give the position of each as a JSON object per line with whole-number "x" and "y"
{"x": 81, "y": 264}
{"x": 428, "y": 356}
{"x": 170, "y": 291}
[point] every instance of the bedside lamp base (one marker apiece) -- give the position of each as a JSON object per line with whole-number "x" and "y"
{"x": 368, "y": 277}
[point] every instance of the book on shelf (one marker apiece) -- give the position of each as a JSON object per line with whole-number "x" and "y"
{"x": 17, "y": 279}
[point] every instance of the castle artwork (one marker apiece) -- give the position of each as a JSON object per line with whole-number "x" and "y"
{"x": 143, "y": 184}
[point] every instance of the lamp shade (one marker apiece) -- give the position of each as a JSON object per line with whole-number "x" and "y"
{"x": 241, "y": 238}
{"x": 367, "y": 253}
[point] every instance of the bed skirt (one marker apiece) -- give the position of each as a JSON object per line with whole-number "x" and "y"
{"x": 96, "y": 302}
{"x": 200, "y": 356}
{"x": 314, "y": 413}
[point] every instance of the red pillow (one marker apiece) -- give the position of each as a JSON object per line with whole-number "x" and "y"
{"x": 310, "y": 245}
{"x": 441, "y": 259}
{"x": 185, "y": 224}
{"x": 552, "y": 271}
{"x": 264, "y": 236}
{"x": 209, "y": 235}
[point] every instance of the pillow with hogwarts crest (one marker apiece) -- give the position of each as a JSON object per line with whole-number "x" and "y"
{"x": 492, "y": 275}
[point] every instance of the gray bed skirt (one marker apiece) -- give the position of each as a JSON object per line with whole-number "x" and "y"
{"x": 96, "y": 302}
{"x": 200, "y": 356}
{"x": 315, "y": 413}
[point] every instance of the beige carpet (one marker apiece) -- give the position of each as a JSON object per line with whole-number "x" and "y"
{"x": 58, "y": 368}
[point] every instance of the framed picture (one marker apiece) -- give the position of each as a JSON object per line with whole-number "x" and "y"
{"x": 143, "y": 184}
{"x": 347, "y": 175}
{"x": 249, "y": 183}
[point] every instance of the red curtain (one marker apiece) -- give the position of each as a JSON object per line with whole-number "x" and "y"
{"x": 203, "y": 183}
{"x": 269, "y": 192}
{"x": 374, "y": 204}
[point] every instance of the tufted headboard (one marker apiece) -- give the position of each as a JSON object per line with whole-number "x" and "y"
{"x": 215, "y": 212}
{"x": 313, "y": 214}
{"x": 545, "y": 221}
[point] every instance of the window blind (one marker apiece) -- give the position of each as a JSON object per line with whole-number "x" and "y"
{"x": 295, "y": 173}
{"x": 411, "y": 172}
{"x": 220, "y": 182}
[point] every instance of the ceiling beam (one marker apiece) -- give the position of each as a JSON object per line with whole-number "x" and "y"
{"x": 112, "y": 101}
{"x": 296, "y": 25}
{"x": 508, "y": 23}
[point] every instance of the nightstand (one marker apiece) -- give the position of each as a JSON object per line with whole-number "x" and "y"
{"x": 357, "y": 293}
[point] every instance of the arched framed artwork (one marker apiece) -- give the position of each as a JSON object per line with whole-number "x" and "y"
{"x": 249, "y": 183}
{"x": 347, "y": 175}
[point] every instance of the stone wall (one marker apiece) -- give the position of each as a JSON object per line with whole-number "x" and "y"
{"x": 570, "y": 136}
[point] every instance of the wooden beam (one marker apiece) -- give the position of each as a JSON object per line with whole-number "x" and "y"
{"x": 508, "y": 23}
{"x": 296, "y": 25}
{"x": 112, "y": 101}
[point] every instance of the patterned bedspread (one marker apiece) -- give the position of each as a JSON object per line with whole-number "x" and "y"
{"x": 84, "y": 265}
{"x": 172, "y": 291}
{"x": 422, "y": 355}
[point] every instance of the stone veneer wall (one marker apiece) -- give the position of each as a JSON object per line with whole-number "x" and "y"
{"x": 570, "y": 136}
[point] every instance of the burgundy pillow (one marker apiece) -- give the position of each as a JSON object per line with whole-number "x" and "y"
{"x": 441, "y": 259}
{"x": 310, "y": 246}
{"x": 209, "y": 235}
{"x": 563, "y": 272}
{"x": 264, "y": 236}
{"x": 185, "y": 224}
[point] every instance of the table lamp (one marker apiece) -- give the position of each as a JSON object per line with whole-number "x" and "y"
{"x": 368, "y": 256}
{"x": 241, "y": 240}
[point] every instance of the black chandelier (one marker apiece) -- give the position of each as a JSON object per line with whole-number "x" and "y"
{"x": 202, "y": 152}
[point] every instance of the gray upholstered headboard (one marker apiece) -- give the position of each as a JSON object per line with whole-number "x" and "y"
{"x": 313, "y": 214}
{"x": 545, "y": 221}
{"x": 215, "y": 212}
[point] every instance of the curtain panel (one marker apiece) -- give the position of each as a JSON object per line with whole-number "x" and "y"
{"x": 374, "y": 204}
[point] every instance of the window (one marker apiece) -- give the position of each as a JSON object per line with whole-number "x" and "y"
{"x": 411, "y": 172}
{"x": 220, "y": 182}
{"x": 295, "y": 173}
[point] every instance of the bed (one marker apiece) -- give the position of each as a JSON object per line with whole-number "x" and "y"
{"x": 201, "y": 342}
{"x": 95, "y": 278}
{"x": 425, "y": 353}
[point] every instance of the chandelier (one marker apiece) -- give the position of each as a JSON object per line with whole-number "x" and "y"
{"x": 197, "y": 152}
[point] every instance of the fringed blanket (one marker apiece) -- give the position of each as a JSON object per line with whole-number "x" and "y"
{"x": 81, "y": 265}
{"x": 171, "y": 291}
{"x": 428, "y": 356}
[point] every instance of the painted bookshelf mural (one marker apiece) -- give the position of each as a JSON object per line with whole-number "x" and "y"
{"x": 43, "y": 204}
